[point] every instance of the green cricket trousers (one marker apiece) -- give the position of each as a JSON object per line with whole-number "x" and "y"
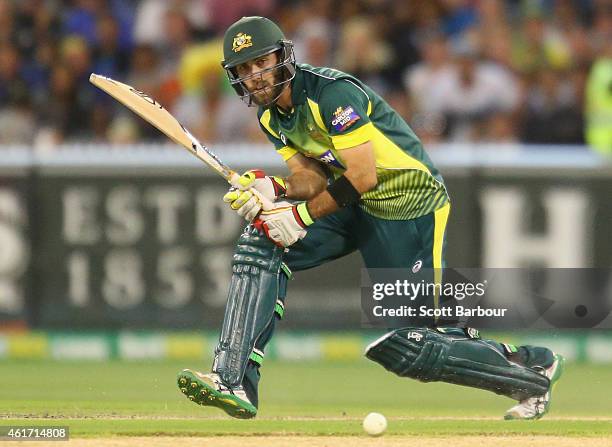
{"x": 382, "y": 244}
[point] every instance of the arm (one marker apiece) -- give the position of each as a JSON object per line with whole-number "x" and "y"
{"x": 345, "y": 109}
{"x": 286, "y": 223}
{"x": 307, "y": 178}
{"x": 360, "y": 171}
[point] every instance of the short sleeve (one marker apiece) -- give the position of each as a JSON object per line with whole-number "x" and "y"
{"x": 281, "y": 148}
{"x": 344, "y": 107}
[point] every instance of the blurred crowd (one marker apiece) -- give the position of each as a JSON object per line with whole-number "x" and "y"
{"x": 531, "y": 71}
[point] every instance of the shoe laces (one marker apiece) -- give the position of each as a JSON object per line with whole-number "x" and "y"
{"x": 221, "y": 387}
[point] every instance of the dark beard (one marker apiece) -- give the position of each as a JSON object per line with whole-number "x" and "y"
{"x": 275, "y": 89}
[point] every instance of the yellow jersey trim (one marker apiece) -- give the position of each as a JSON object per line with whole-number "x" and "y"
{"x": 316, "y": 113}
{"x": 390, "y": 156}
{"x": 286, "y": 152}
{"x": 359, "y": 136}
{"x": 440, "y": 221}
{"x": 265, "y": 121}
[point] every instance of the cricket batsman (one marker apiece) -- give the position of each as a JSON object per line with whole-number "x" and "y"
{"x": 359, "y": 180}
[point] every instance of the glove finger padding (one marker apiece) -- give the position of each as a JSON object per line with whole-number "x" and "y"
{"x": 245, "y": 203}
{"x": 247, "y": 179}
{"x": 250, "y": 209}
{"x": 241, "y": 200}
{"x": 231, "y": 195}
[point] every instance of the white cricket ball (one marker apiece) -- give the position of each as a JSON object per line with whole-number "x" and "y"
{"x": 375, "y": 424}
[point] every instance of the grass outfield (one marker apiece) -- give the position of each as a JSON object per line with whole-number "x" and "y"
{"x": 100, "y": 399}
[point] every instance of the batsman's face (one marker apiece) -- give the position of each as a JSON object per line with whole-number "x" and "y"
{"x": 260, "y": 78}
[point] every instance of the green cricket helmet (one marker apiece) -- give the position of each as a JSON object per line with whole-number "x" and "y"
{"x": 250, "y": 38}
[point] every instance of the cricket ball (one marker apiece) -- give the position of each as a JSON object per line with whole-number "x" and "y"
{"x": 375, "y": 424}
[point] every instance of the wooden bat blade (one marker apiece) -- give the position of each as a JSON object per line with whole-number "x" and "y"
{"x": 153, "y": 112}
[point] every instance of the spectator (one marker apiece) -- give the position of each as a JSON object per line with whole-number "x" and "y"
{"x": 109, "y": 58}
{"x": 149, "y": 14}
{"x": 599, "y": 103}
{"x": 224, "y": 13}
{"x": 145, "y": 70}
{"x": 145, "y": 75}
{"x": 552, "y": 113}
{"x": 533, "y": 61}
{"x": 12, "y": 84}
{"x": 17, "y": 120}
{"x": 495, "y": 32}
{"x": 362, "y": 52}
{"x": 207, "y": 105}
{"x": 498, "y": 128}
{"x": 76, "y": 54}
{"x": 36, "y": 71}
{"x": 459, "y": 15}
{"x": 35, "y": 24}
{"x": 474, "y": 90}
{"x": 62, "y": 116}
{"x": 399, "y": 34}
{"x": 313, "y": 42}
{"x": 539, "y": 45}
{"x": 7, "y": 22}
{"x": 80, "y": 19}
{"x": 424, "y": 80}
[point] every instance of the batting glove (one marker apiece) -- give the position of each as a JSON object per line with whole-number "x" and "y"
{"x": 245, "y": 203}
{"x": 271, "y": 187}
{"x": 285, "y": 224}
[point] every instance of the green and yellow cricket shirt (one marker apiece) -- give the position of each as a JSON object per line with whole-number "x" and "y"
{"x": 333, "y": 111}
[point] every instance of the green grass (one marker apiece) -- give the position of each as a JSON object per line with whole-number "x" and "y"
{"x": 100, "y": 398}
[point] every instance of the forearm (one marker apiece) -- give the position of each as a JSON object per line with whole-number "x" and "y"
{"x": 323, "y": 203}
{"x": 308, "y": 181}
{"x": 305, "y": 185}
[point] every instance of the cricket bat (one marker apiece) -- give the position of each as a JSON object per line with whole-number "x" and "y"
{"x": 153, "y": 112}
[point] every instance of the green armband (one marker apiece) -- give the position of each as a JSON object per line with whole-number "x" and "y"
{"x": 302, "y": 215}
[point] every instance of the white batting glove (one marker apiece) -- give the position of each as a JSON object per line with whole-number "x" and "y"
{"x": 245, "y": 203}
{"x": 285, "y": 224}
{"x": 271, "y": 187}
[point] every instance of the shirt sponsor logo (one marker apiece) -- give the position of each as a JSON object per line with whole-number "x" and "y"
{"x": 329, "y": 158}
{"x": 344, "y": 118}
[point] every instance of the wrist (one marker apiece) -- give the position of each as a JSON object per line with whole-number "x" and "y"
{"x": 302, "y": 214}
{"x": 280, "y": 187}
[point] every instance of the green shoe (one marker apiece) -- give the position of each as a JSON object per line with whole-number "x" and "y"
{"x": 208, "y": 390}
{"x": 537, "y": 406}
